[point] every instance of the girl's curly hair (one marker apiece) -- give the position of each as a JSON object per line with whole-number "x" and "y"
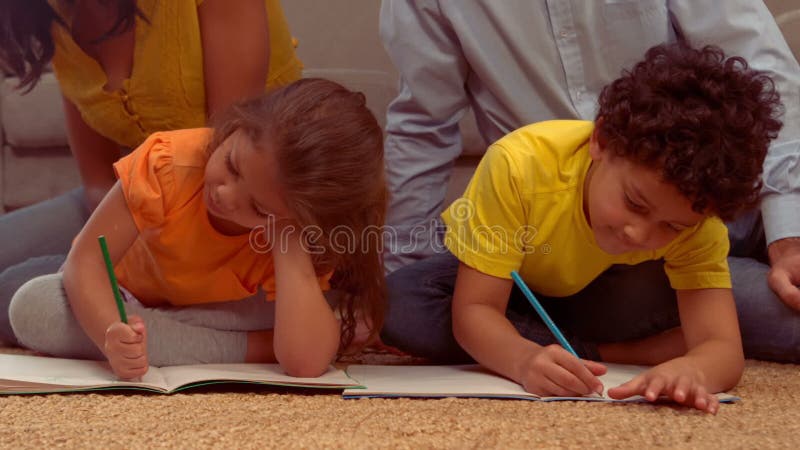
{"x": 703, "y": 120}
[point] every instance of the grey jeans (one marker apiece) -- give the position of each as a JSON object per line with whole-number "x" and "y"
{"x": 42, "y": 320}
{"x": 34, "y": 241}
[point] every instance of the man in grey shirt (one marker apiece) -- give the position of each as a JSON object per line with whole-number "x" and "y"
{"x": 516, "y": 62}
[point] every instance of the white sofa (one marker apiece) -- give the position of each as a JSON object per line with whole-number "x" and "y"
{"x": 338, "y": 40}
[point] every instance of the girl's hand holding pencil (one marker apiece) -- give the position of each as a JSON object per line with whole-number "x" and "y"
{"x": 125, "y": 343}
{"x": 126, "y": 348}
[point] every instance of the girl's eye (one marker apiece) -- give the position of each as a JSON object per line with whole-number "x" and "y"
{"x": 263, "y": 215}
{"x": 229, "y": 164}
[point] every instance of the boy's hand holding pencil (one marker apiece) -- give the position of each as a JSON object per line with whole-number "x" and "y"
{"x": 556, "y": 369}
{"x": 125, "y": 343}
{"x": 552, "y": 370}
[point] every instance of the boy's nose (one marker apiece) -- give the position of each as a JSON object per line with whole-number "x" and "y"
{"x": 637, "y": 234}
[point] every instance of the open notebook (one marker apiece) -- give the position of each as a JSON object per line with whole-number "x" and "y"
{"x": 20, "y": 374}
{"x": 470, "y": 381}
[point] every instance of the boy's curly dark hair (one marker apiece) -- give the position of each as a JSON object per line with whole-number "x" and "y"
{"x": 702, "y": 120}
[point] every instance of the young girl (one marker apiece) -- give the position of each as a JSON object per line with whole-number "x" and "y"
{"x": 202, "y": 216}
{"x": 194, "y": 58}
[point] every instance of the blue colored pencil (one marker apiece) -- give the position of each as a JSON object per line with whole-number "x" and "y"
{"x": 542, "y": 313}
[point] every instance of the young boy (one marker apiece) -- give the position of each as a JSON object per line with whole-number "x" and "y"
{"x": 678, "y": 144}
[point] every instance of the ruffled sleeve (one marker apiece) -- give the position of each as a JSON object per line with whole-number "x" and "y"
{"x": 147, "y": 177}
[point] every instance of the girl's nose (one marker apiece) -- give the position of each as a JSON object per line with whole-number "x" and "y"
{"x": 225, "y": 198}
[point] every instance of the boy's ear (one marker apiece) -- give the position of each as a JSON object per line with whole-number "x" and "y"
{"x": 596, "y": 150}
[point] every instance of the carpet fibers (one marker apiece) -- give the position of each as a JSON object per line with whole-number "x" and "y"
{"x": 768, "y": 416}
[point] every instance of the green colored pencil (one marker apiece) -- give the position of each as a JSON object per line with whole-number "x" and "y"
{"x": 113, "y": 279}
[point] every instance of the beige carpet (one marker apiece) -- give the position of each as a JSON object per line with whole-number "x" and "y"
{"x": 244, "y": 417}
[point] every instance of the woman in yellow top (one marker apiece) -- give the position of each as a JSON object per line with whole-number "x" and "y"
{"x": 127, "y": 68}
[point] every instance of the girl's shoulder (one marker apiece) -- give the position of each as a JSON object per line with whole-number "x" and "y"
{"x": 164, "y": 173}
{"x": 186, "y": 148}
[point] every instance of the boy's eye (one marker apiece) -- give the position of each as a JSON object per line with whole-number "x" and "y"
{"x": 675, "y": 228}
{"x": 632, "y": 205}
{"x": 229, "y": 164}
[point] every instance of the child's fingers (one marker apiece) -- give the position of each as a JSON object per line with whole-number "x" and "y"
{"x": 129, "y": 372}
{"x": 139, "y": 327}
{"x": 129, "y": 367}
{"x": 705, "y": 401}
{"x": 713, "y": 404}
{"x": 568, "y": 382}
{"x": 578, "y": 370}
{"x": 595, "y": 367}
{"x": 122, "y": 332}
{"x": 701, "y": 399}
{"x": 654, "y": 388}
{"x": 633, "y": 387}
{"x": 548, "y": 388}
{"x": 136, "y": 323}
{"x": 682, "y": 390}
{"x": 131, "y": 351}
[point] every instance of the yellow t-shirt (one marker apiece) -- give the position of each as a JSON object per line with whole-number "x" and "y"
{"x": 179, "y": 258}
{"x": 523, "y": 210}
{"x": 166, "y": 89}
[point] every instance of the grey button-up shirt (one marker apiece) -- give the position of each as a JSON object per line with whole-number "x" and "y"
{"x": 517, "y": 62}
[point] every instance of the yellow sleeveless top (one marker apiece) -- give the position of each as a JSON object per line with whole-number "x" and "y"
{"x": 166, "y": 89}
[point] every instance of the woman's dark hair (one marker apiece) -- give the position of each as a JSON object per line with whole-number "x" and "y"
{"x": 26, "y": 42}
{"x": 702, "y": 120}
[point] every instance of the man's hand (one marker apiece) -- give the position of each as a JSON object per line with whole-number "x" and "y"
{"x": 784, "y": 276}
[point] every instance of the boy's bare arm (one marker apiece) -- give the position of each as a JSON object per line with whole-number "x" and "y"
{"x": 85, "y": 277}
{"x": 482, "y": 329}
{"x": 714, "y": 361}
{"x": 711, "y": 331}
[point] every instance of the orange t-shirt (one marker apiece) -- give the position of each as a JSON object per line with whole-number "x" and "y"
{"x": 179, "y": 258}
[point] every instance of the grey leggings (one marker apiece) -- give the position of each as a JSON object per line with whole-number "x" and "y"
{"x": 43, "y": 321}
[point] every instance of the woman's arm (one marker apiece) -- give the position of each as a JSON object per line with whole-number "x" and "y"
{"x": 481, "y": 327}
{"x": 85, "y": 277}
{"x": 235, "y": 39}
{"x": 307, "y": 332}
{"x": 94, "y": 154}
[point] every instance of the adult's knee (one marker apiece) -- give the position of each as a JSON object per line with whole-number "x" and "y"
{"x": 418, "y": 318}
{"x": 770, "y": 329}
{"x": 406, "y": 307}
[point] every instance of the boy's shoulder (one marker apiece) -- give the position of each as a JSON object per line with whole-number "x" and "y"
{"x": 552, "y": 134}
{"x": 547, "y": 156}
{"x": 708, "y": 240}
